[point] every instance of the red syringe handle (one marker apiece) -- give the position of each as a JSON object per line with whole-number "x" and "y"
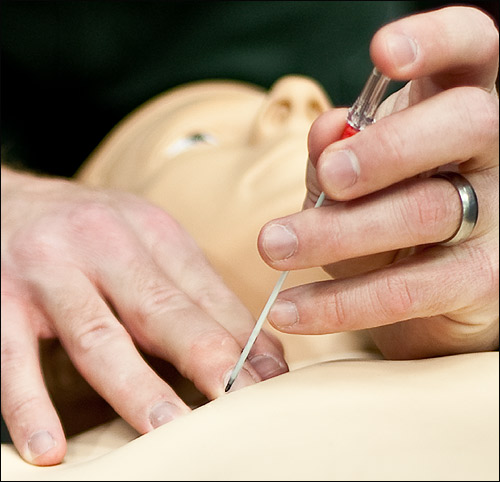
{"x": 348, "y": 131}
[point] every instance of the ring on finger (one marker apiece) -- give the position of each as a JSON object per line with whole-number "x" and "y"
{"x": 469, "y": 203}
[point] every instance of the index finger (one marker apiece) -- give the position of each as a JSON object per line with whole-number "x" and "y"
{"x": 453, "y": 45}
{"x": 457, "y": 126}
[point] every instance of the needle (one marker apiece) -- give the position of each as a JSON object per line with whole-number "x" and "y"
{"x": 360, "y": 115}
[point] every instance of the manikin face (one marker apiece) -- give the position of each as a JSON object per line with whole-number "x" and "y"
{"x": 223, "y": 158}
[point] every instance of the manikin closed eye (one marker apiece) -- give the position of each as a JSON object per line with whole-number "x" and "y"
{"x": 184, "y": 143}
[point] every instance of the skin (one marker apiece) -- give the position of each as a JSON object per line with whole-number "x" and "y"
{"x": 98, "y": 263}
{"x": 60, "y": 275}
{"x": 418, "y": 299}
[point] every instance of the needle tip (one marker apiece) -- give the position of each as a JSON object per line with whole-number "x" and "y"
{"x": 229, "y": 385}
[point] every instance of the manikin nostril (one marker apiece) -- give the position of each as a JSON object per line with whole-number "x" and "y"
{"x": 314, "y": 109}
{"x": 279, "y": 111}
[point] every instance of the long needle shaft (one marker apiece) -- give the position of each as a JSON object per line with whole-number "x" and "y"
{"x": 262, "y": 318}
{"x": 360, "y": 115}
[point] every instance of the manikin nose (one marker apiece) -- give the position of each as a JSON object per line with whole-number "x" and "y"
{"x": 292, "y": 102}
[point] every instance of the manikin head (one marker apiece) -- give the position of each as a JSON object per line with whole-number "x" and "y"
{"x": 224, "y": 158}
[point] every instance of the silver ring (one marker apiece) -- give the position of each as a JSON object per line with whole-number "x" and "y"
{"x": 468, "y": 199}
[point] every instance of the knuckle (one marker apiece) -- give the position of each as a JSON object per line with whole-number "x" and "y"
{"x": 489, "y": 114}
{"x": 90, "y": 216}
{"x": 160, "y": 226}
{"x": 336, "y": 236}
{"x": 209, "y": 298}
{"x": 98, "y": 225}
{"x": 158, "y": 298}
{"x": 338, "y": 311}
{"x": 486, "y": 106}
{"x": 57, "y": 239}
{"x": 94, "y": 333}
{"x": 12, "y": 354}
{"x": 391, "y": 141}
{"x": 19, "y": 400}
{"x": 424, "y": 209}
{"x": 159, "y": 221}
{"x": 217, "y": 295}
{"x": 40, "y": 244}
{"x": 489, "y": 32}
{"x": 201, "y": 360}
{"x": 480, "y": 113}
{"x": 394, "y": 298}
{"x": 211, "y": 341}
{"x": 484, "y": 261}
{"x": 22, "y": 406}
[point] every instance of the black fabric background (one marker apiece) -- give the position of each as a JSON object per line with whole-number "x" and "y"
{"x": 72, "y": 69}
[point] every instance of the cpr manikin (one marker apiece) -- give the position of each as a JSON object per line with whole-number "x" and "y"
{"x": 224, "y": 158}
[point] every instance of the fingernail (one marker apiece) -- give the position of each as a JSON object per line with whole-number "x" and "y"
{"x": 279, "y": 242}
{"x": 244, "y": 379}
{"x": 283, "y": 314}
{"x": 267, "y": 366}
{"x": 40, "y": 443}
{"x": 162, "y": 413}
{"x": 340, "y": 170}
{"x": 402, "y": 49}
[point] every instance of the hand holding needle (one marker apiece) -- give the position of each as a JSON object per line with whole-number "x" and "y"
{"x": 360, "y": 115}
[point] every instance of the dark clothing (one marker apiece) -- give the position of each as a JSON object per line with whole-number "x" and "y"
{"x": 72, "y": 69}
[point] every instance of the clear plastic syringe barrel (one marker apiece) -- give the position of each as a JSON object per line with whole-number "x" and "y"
{"x": 362, "y": 112}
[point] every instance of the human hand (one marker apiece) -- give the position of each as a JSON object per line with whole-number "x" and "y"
{"x": 108, "y": 273}
{"x": 378, "y": 234}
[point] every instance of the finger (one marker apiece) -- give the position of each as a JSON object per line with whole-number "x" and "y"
{"x": 207, "y": 290}
{"x": 419, "y": 211}
{"x": 192, "y": 274}
{"x": 428, "y": 284}
{"x": 325, "y": 130}
{"x": 415, "y": 212}
{"x": 168, "y": 324}
{"x": 27, "y": 409}
{"x": 415, "y": 140}
{"x": 455, "y": 45}
{"x": 103, "y": 351}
